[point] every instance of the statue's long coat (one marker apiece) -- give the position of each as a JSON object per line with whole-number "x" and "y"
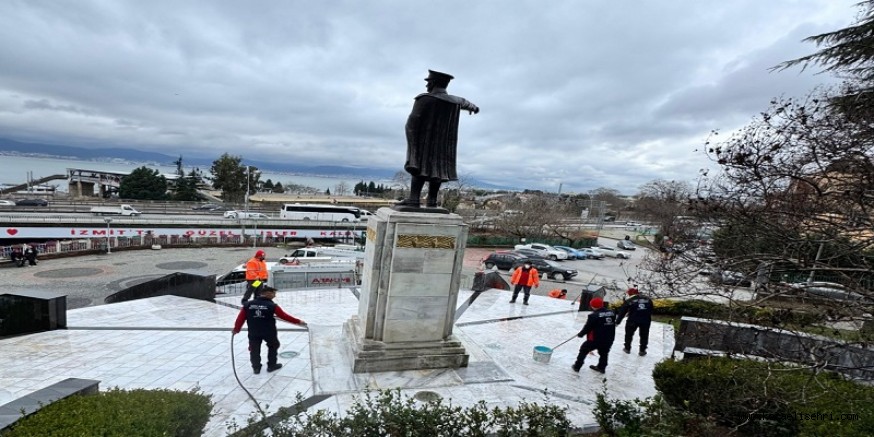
{"x": 432, "y": 135}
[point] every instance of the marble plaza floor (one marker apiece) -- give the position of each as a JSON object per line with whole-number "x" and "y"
{"x": 179, "y": 343}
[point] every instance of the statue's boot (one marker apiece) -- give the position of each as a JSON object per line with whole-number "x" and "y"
{"x": 415, "y": 203}
{"x": 433, "y": 188}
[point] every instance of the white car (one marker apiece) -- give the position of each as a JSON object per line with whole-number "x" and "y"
{"x": 245, "y": 215}
{"x": 4, "y": 202}
{"x": 612, "y": 253}
{"x": 544, "y": 250}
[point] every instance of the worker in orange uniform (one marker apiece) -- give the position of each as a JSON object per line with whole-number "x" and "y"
{"x": 256, "y": 271}
{"x": 558, "y": 294}
{"x": 524, "y": 278}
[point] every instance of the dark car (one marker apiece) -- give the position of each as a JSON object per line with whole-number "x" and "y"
{"x": 32, "y": 202}
{"x": 552, "y": 269}
{"x": 205, "y": 207}
{"x": 501, "y": 260}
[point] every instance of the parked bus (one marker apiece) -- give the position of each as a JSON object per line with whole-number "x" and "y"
{"x": 328, "y": 213}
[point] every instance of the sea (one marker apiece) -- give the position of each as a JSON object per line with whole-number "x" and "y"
{"x": 16, "y": 170}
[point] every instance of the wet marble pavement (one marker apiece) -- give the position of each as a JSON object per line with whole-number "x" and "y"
{"x": 179, "y": 343}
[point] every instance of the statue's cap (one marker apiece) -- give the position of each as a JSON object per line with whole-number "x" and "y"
{"x": 437, "y": 76}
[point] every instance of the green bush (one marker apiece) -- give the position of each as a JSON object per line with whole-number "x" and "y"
{"x": 119, "y": 412}
{"x": 649, "y": 417}
{"x": 774, "y": 317}
{"x": 767, "y": 399}
{"x": 388, "y": 413}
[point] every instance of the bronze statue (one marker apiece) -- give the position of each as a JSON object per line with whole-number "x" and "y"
{"x": 432, "y": 139}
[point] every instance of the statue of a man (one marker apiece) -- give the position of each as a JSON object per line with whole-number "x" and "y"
{"x": 432, "y": 139}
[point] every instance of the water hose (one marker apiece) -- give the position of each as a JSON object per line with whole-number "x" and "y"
{"x": 234, "y": 366}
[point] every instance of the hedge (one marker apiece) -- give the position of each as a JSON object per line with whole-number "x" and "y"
{"x": 119, "y": 412}
{"x": 389, "y": 413}
{"x": 774, "y": 317}
{"x": 767, "y": 399}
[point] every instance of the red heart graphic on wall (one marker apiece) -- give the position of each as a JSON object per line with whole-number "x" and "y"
{"x": 11, "y": 231}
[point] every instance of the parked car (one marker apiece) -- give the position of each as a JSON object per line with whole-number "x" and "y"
{"x": 612, "y": 253}
{"x": 829, "y": 290}
{"x": 502, "y": 260}
{"x": 245, "y": 215}
{"x": 552, "y": 269}
{"x": 32, "y": 202}
{"x": 592, "y": 253}
{"x": 530, "y": 253}
{"x": 729, "y": 277}
{"x": 571, "y": 252}
{"x": 626, "y": 245}
{"x": 4, "y": 202}
{"x": 544, "y": 250}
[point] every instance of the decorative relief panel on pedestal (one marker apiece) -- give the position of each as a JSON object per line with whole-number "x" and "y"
{"x": 426, "y": 241}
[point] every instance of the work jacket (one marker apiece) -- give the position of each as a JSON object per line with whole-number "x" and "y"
{"x": 256, "y": 269}
{"x": 533, "y": 277}
{"x": 600, "y": 327}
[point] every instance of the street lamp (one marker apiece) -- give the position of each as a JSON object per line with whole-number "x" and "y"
{"x": 108, "y": 221}
{"x": 247, "y": 188}
{"x": 249, "y": 178}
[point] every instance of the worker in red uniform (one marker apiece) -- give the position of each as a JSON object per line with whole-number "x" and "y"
{"x": 256, "y": 270}
{"x": 524, "y": 278}
{"x": 259, "y": 314}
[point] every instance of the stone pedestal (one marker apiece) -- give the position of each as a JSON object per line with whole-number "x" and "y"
{"x": 409, "y": 293}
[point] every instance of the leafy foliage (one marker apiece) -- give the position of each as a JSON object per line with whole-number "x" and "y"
{"x": 143, "y": 184}
{"x": 759, "y": 398}
{"x": 649, "y": 417}
{"x": 186, "y": 187}
{"x": 388, "y": 413}
{"x": 120, "y": 413}
{"x": 232, "y": 177}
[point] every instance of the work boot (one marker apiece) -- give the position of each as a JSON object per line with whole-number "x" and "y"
{"x": 642, "y": 353}
{"x": 627, "y": 350}
{"x": 512, "y": 300}
{"x": 575, "y": 369}
{"x": 274, "y": 368}
{"x": 525, "y": 302}
{"x": 257, "y": 370}
{"x": 596, "y": 368}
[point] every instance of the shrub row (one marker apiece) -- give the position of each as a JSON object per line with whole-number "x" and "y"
{"x": 767, "y": 399}
{"x": 119, "y": 412}
{"x": 388, "y": 413}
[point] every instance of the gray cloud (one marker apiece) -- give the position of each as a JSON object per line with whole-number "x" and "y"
{"x": 583, "y": 94}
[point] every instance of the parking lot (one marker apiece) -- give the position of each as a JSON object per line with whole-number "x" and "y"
{"x": 88, "y": 279}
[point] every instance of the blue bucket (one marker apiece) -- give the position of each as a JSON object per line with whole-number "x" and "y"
{"x": 542, "y": 354}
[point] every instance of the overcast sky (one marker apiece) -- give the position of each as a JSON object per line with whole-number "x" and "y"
{"x": 584, "y": 93}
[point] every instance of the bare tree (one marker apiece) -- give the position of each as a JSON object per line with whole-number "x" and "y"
{"x": 341, "y": 189}
{"x": 665, "y": 203}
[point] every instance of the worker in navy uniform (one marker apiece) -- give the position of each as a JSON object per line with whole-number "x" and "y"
{"x": 259, "y": 314}
{"x": 638, "y": 309}
{"x": 600, "y": 331}
{"x": 30, "y": 255}
{"x": 432, "y": 139}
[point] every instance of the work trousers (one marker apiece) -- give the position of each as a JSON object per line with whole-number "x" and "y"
{"x": 255, "y": 350}
{"x": 589, "y": 346}
{"x": 630, "y": 327}
{"x": 520, "y": 287}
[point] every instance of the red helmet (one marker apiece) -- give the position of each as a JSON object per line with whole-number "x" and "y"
{"x": 597, "y": 303}
{"x": 260, "y": 254}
